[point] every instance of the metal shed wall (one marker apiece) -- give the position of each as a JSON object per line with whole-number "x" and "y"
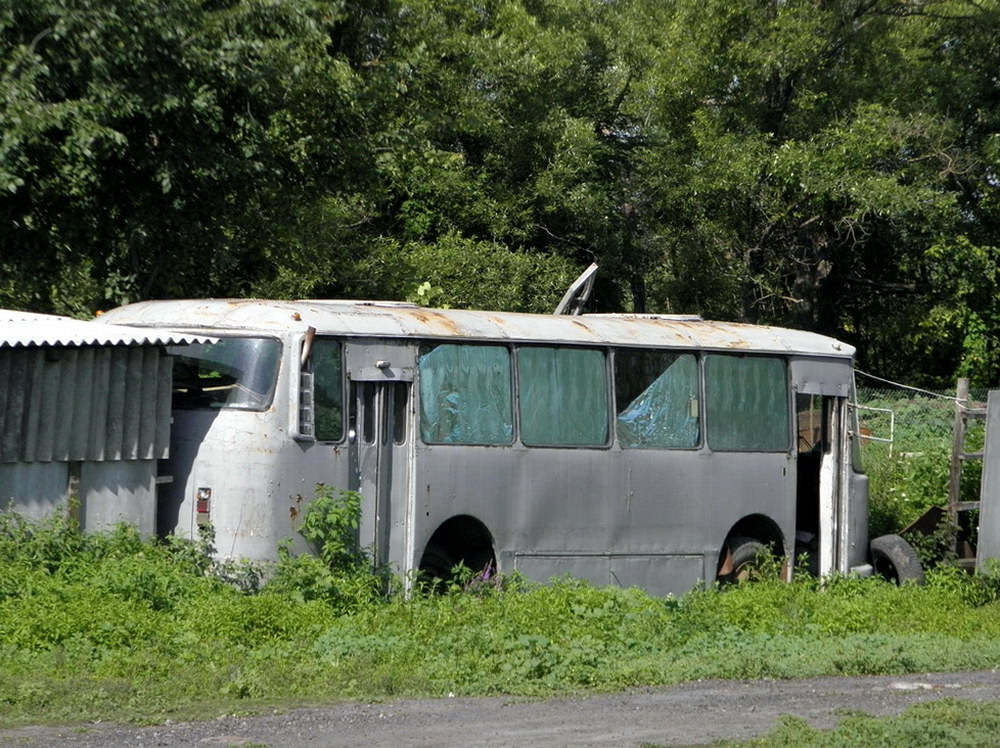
{"x": 95, "y": 403}
{"x": 103, "y": 493}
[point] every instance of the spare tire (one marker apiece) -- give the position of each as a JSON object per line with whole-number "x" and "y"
{"x": 895, "y": 560}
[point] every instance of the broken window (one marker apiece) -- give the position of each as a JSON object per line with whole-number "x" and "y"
{"x": 809, "y": 421}
{"x": 237, "y": 373}
{"x": 657, "y": 399}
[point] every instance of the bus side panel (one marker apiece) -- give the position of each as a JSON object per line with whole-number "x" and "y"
{"x": 260, "y": 480}
{"x": 659, "y": 574}
{"x": 570, "y": 500}
{"x": 451, "y": 480}
{"x": 650, "y": 518}
{"x": 689, "y": 501}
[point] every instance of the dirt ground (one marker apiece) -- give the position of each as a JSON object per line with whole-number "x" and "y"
{"x": 689, "y": 714}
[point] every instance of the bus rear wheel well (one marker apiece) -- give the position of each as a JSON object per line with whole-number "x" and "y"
{"x": 463, "y": 539}
{"x": 750, "y": 536}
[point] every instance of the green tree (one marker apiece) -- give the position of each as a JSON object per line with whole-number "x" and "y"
{"x": 813, "y": 154}
{"x": 828, "y": 165}
{"x": 149, "y": 150}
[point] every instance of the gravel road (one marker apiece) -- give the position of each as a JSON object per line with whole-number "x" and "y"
{"x": 688, "y": 714}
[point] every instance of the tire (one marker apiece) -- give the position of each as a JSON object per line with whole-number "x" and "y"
{"x": 895, "y": 560}
{"x": 744, "y": 553}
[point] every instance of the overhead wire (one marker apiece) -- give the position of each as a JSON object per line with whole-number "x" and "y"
{"x": 930, "y": 393}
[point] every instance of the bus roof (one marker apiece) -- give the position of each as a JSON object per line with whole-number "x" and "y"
{"x": 399, "y": 319}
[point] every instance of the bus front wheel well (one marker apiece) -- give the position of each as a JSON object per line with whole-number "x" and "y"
{"x": 460, "y": 540}
{"x": 748, "y": 539}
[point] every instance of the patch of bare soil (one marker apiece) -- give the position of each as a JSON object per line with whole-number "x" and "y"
{"x": 688, "y": 714}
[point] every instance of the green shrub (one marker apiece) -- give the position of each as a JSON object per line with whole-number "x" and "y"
{"x": 912, "y": 476}
{"x": 331, "y": 524}
{"x": 156, "y": 627}
{"x": 341, "y": 573}
{"x": 904, "y": 485}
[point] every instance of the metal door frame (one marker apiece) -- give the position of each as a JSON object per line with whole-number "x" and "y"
{"x": 380, "y": 444}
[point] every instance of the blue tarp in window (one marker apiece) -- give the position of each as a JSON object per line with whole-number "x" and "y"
{"x": 563, "y": 396}
{"x": 465, "y": 395}
{"x": 746, "y": 400}
{"x": 664, "y": 414}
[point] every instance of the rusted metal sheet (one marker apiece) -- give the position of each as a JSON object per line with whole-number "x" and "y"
{"x": 75, "y": 404}
{"x": 388, "y": 319}
{"x": 33, "y": 488}
{"x": 106, "y": 492}
{"x": 121, "y": 491}
{"x": 73, "y": 390}
{"x": 84, "y": 417}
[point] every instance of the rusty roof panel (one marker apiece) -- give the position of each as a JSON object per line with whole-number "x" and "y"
{"x": 26, "y": 330}
{"x": 377, "y": 319}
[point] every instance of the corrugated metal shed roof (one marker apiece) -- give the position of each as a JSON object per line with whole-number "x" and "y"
{"x": 26, "y": 329}
{"x": 376, "y": 319}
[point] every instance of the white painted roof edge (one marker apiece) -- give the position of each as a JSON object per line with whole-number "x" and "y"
{"x": 29, "y": 330}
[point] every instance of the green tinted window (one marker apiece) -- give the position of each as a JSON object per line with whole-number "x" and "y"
{"x": 657, "y": 399}
{"x": 465, "y": 395}
{"x": 328, "y": 389}
{"x": 563, "y": 396}
{"x": 746, "y": 399}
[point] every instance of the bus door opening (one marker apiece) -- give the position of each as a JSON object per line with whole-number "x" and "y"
{"x": 379, "y": 435}
{"x": 820, "y": 504}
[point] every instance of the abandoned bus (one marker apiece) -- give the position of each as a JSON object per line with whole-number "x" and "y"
{"x": 653, "y": 451}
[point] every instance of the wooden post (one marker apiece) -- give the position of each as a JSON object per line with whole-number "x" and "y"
{"x": 957, "y": 448}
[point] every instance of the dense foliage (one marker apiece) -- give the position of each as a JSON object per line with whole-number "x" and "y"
{"x": 909, "y": 477}
{"x": 828, "y": 165}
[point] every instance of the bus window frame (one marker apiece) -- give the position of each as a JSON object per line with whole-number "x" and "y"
{"x": 606, "y": 351}
{"x": 272, "y": 393}
{"x": 699, "y": 356}
{"x": 791, "y": 436}
{"x": 417, "y": 407}
{"x": 344, "y": 392}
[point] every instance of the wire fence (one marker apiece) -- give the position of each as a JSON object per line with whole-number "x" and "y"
{"x": 908, "y": 438}
{"x": 909, "y": 420}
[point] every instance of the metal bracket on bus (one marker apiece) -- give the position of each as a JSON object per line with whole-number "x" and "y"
{"x": 382, "y": 374}
{"x": 305, "y": 427}
{"x": 302, "y": 405}
{"x": 307, "y": 345}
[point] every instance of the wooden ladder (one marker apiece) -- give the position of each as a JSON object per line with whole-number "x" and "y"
{"x": 964, "y": 415}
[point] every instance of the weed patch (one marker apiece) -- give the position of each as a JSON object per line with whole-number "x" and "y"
{"x": 930, "y": 725}
{"x": 160, "y": 629}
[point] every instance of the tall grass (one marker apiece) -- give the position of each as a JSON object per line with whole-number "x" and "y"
{"x": 158, "y": 630}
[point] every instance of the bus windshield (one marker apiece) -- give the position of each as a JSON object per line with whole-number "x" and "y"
{"x": 237, "y": 373}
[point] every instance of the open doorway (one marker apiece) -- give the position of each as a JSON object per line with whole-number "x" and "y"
{"x": 813, "y": 446}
